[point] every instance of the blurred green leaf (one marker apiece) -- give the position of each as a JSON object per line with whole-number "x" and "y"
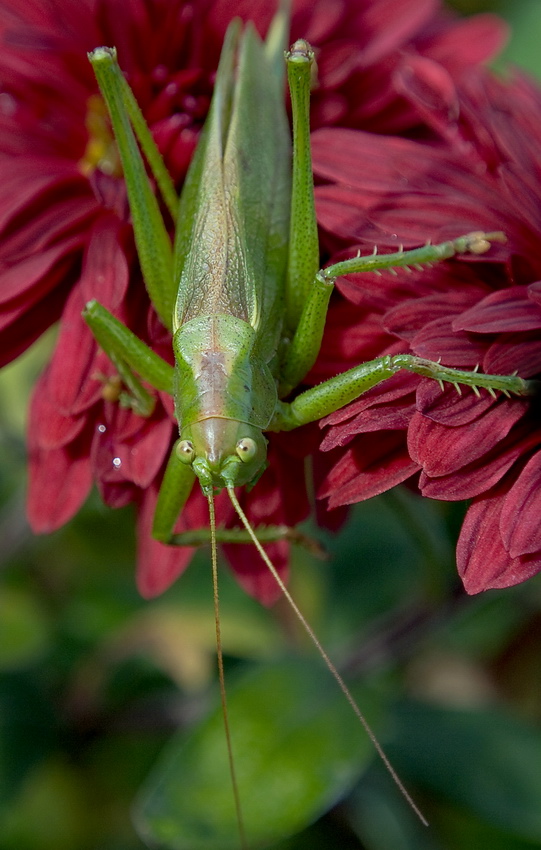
{"x": 523, "y": 47}
{"x": 486, "y": 762}
{"x": 24, "y": 631}
{"x": 52, "y": 797}
{"x": 298, "y": 749}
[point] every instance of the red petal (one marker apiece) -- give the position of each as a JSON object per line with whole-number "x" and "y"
{"x": 408, "y": 318}
{"x": 436, "y": 340}
{"x": 148, "y": 451}
{"x": 534, "y": 292}
{"x": 59, "y": 482}
{"x": 442, "y": 450}
{"x": 514, "y": 353}
{"x": 519, "y": 523}
{"x": 137, "y": 459}
{"x": 157, "y": 565}
{"x": 105, "y": 274}
{"x": 73, "y": 361}
{"x": 26, "y": 183}
{"x": 26, "y": 282}
{"x": 448, "y": 407}
{"x": 45, "y": 227}
{"x": 389, "y": 26}
{"x": 374, "y": 465}
{"x": 480, "y": 476}
{"x": 254, "y": 575}
{"x": 25, "y": 326}
{"x": 482, "y": 560}
{"x": 469, "y": 41}
{"x": 502, "y": 312}
{"x": 391, "y": 401}
{"x": 48, "y": 427}
{"x": 431, "y": 89}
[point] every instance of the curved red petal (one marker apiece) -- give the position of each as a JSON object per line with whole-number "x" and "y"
{"x": 58, "y": 484}
{"x": 519, "y": 523}
{"x": 483, "y": 562}
{"x": 375, "y": 464}
{"x": 501, "y": 312}
{"x": 512, "y": 353}
{"x": 442, "y": 450}
{"x": 158, "y": 565}
{"x": 254, "y": 575}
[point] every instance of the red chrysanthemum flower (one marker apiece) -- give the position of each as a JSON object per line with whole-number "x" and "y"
{"x": 480, "y": 169}
{"x": 66, "y": 235}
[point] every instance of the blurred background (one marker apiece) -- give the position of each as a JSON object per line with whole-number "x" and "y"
{"x": 95, "y": 682}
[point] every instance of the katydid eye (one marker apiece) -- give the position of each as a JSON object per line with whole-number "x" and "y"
{"x": 186, "y": 451}
{"x": 246, "y": 449}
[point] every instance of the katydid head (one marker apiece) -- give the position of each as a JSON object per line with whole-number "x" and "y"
{"x": 223, "y": 452}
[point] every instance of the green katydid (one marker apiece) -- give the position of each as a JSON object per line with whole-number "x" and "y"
{"x": 241, "y": 291}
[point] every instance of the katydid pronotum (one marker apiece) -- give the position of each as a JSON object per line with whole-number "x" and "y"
{"x": 240, "y": 290}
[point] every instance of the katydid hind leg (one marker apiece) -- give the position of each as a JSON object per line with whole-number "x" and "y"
{"x": 152, "y": 240}
{"x": 303, "y": 257}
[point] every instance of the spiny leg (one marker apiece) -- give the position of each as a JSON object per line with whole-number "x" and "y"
{"x": 307, "y": 290}
{"x": 335, "y": 393}
{"x": 309, "y": 319}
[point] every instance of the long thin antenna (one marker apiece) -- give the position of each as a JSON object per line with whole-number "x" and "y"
{"x": 219, "y": 653}
{"x": 332, "y": 669}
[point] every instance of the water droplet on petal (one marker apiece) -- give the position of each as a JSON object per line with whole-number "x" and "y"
{"x": 102, "y": 429}
{"x": 117, "y": 463}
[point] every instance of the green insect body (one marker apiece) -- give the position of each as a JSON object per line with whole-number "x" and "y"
{"x": 240, "y": 291}
{"x": 231, "y": 268}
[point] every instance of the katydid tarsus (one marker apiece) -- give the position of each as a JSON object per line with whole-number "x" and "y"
{"x": 240, "y": 290}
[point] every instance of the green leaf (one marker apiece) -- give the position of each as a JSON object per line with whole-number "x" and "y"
{"x": 485, "y": 762}
{"x": 24, "y": 631}
{"x": 298, "y": 749}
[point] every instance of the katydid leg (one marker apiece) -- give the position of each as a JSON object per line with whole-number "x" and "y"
{"x": 152, "y": 239}
{"x": 131, "y": 356}
{"x": 304, "y": 347}
{"x": 303, "y": 258}
{"x": 175, "y": 488}
{"x": 333, "y": 394}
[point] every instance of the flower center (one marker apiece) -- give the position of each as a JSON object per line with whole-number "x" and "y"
{"x": 101, "y": 152}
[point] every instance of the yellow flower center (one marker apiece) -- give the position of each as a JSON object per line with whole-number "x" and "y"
{"x": 101, "y": 152}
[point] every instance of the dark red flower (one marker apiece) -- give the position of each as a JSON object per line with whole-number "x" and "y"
{"x": 66, "y": 235}
{"x": 481, "y": 169}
